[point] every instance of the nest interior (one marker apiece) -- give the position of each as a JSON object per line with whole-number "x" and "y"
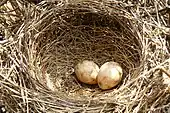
{"x": 67, "y": 36}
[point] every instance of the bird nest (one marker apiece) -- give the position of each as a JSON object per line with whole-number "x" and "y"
{"x": 47, "y": 40}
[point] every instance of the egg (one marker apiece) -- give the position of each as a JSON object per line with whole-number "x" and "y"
{"x": 110, "y": 75}
{"x": 87, "y": 71}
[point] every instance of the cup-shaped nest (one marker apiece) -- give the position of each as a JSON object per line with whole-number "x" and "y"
{"x": 56, "y": 36}
{"x": 63, "y": 36}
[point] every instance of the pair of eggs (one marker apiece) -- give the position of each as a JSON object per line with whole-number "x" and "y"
{"x": 107, "y": 76}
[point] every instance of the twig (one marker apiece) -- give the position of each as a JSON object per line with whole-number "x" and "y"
{"x": 164, "y": 71}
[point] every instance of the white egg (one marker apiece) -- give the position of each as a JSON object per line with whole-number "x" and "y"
{"x": 110, "y": 75}
{"x": 87, "y": 71}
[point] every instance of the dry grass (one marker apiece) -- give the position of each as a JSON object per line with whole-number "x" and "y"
{"x": 45, "y": 42}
